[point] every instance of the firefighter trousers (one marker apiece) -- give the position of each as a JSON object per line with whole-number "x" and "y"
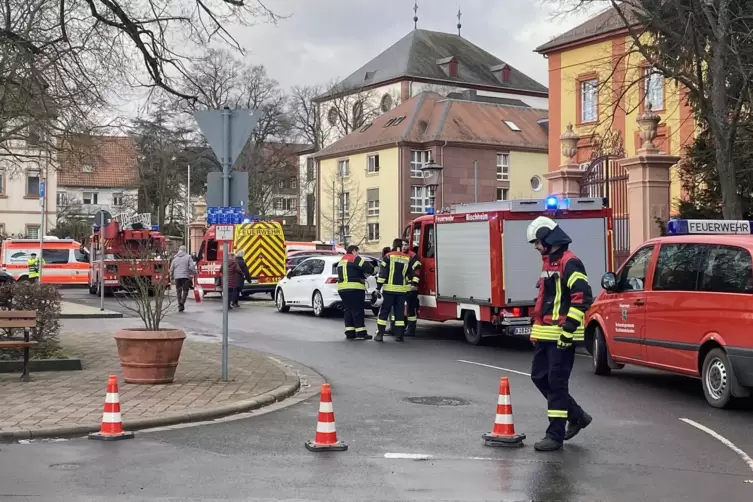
{"x": 392, "y": 302}
{"x": 550, "y": 372}
{"x": 411, "y": 310}
{"x": 353, "y": 305}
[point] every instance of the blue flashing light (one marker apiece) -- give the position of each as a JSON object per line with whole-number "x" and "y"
{"x": 430, "y": 210}
{"x": 256, "y": 218}
{"x": 155, "y": 228}
{"x": 709, "y": 227}
{"x": 551, "y": 202}
{"x": 246, "y": 220}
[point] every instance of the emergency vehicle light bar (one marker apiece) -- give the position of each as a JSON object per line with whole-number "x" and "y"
{"x": 713, "y": 227}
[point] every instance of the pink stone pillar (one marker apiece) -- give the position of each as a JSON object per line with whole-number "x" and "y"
{"x": 195, "y": 234}
{"x": 648, "y": 184}
{"x": 565, "y": 182}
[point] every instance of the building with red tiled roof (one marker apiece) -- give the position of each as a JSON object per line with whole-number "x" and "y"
{"x": 98, "y": 172}
{"x": 370, "y": 183}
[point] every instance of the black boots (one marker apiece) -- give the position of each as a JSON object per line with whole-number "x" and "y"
{"x": 573, "y": 428}
{"x": 547, "y": 444}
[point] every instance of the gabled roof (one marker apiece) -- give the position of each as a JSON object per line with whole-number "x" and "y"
{"x": 418, "y": 55}
{"x": 430, "y": 117}
{"x": 603, "y": 23}
{"x": 111, "y": 160}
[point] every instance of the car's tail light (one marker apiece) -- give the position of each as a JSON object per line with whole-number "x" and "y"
{"x": 517, "y": 311}
{"x": 331, "y": 280}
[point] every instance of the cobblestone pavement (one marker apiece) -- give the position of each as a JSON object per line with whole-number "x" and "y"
{"x": 76, "y": 398}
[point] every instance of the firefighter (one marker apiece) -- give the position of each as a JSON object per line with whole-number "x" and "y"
{"x": 412, "y": 298}
{"x": 563, "y": 298}
{"x": 351, "y": 285}
{"x": 395, "y": 275}
{"x": 33, "y": 264}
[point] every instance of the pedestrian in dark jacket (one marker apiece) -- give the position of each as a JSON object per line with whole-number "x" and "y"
{"x": 233, "y": 279}
{"x": 244, "y": 275}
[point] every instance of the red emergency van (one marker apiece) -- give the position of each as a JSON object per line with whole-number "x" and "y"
{"x": 682, "y": 303}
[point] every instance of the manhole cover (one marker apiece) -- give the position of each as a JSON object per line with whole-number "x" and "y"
{"x": 65, "y": 467}
{"x": 437, "y": 401}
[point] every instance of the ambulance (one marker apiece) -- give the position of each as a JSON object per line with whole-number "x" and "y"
{"x": 478, "y": 267}
{"x": 66, "y": 262}
{"x": 263, "y": 245}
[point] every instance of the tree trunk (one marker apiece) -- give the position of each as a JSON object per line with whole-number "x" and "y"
{"x": 731, "y": 207}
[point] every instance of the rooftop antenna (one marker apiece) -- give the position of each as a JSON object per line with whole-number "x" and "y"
{"x": 415, "y": 15}
{"x": 459, "y": 25}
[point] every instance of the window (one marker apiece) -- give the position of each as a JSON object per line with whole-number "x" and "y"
{"x": 357, "y": 115}
{"x": 61, "y": 198}
{"x": 428, "y": 244}
{"x": 332, "y": 116}
{"x": 678, "y": 267}
{"x": 86, "y": 168}
{"x": 283, "y": 204}
{"x": 633, "y": 274}
{"x": 32, "y": 184}
{"x": 386, "y": 102}
{"x": 81, "y": 256}
{"x": 536, "y": 184}
{"x": 373, "y": 234}
{"x": 654, "y": 89}
{"x": 420, "y": 199}
{"x": 117, "y": 199}
{"x": 343, "y": 168}
{"x": 32, "y": 232}
{"x": 310, "y": 169}
{"x": 2, "y": 229}
{"x": 373, "y": 208}
{"x": 502, "y": 193}
{"x": 91, "y": 198}
{"x": 344, "y": 204}
{"x": 2, "y": 181}
{"x": 372, "y": 164}
{"x": 503, "y": 166}
{"x": 588, "y": 100}
{"x": 55, "y": 256}
{"x": 416, "y": 234}
{"x": 419, "y": 158}
{"x": 212, "y": 247}
{"x": 512, "y": 125}
{"x": 304, "y": 268}
{"x": 317, "y": 267}
{"x": 727, "y": 270}
{"x": 293, "y": 183}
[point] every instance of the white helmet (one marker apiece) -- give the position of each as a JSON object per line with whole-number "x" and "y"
{"x": 539, "y": 228}
{"x": 376, "y": 299}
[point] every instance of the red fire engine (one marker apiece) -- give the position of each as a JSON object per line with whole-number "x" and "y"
{"x": 131, "y": 249}
{"x": 478, "y": 267}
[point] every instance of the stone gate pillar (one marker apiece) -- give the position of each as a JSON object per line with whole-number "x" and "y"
{"x": 197, "y": 227}
{"x": 565, "y": 182}
{"x": 648, "y": 183}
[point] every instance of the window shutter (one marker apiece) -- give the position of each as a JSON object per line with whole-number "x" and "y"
{"x": 372, "y": 194}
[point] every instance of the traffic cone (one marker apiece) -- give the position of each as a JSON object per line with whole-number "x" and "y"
{"x": 326, "y": 436}
{"x": 112, "y": 424}
{"x": 503, "y": 433}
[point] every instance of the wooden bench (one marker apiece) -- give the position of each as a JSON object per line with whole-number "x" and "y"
{"x": 19, "y": 319}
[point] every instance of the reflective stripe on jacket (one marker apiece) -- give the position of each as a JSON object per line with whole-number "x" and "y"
{"x": 352, "y": 271}
{"x": 415, "y": 266}
{"x": 563, "y": 299}
{"x": 395, "y": 273}
{"x": 33, "y": 264}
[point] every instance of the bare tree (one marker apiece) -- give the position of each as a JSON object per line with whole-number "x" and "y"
{"x": 706, "y": 46}
{"x": 346, "y": 109}
{"x": 345, "y": 219}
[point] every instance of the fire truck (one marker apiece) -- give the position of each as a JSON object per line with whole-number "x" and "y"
{"x": 263, "y": 246}
{"x": 131, "y": 249}
{"x": 478, "y": 267}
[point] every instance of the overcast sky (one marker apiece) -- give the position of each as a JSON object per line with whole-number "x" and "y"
{"x": 327, "y": 39}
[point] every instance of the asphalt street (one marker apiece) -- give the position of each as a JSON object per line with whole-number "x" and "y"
{"x": 412, "y": 415}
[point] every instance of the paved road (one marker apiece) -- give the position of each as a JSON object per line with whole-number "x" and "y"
{"x": 637, "y": 448}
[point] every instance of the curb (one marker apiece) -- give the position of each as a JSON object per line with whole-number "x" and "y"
{"x": 102, "y": 315}
{"x": 292, "y": 385}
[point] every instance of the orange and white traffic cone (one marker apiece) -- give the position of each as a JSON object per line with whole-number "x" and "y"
{"x": 503, "y": 433}
{"x": 112, "y": 424}
{"x": 326, "y": 436}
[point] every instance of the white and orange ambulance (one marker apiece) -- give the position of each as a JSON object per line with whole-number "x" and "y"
{"x": 65, "y": 261}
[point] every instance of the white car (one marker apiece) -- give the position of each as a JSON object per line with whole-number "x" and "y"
{"x": 313, "y": 285}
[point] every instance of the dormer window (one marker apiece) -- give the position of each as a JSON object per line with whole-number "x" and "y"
{"x": 449, "y": 66}
{"x": 86, "y": 168}
{"x": 501, "y": 71}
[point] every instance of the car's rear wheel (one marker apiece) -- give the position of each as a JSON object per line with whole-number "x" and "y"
{"x": 280, "y": 301}
{"x": 716, "y": 378}
{"x": 317, "y": 302}
{"x": 473, "y": 329}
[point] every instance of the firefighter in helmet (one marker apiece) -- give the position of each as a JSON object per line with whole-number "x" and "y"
{"x": 563, "y": 298}
{"x": 394, "y": 284}
{"x": 352, "y": 271}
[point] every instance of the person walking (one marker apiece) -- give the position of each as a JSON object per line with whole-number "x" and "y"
{"x": 352, "y": 271}
{"x": 563, "y": 299}
{"x": 245, "y": 275}
{"x": 394, "y": 278}
{"x": 182, "y": 271}
{"x": 234, "y": 275}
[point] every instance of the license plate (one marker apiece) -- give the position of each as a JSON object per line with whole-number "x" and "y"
{"x": 522, "y": 331}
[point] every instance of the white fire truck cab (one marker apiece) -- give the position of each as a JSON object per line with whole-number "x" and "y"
{"x": 478, "y": 267}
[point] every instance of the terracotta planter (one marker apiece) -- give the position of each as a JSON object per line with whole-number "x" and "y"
{"x": 149, "y": 357}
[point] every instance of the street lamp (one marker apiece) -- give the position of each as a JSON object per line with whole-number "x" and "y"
{"x": 432, "y": 176}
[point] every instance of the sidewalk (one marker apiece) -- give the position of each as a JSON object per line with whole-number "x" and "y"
{"x": 70, "y": 310}
{"x": 70, "y": 403}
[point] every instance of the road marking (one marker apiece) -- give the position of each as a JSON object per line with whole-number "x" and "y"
{"x": 410, "y": 456}
{"x": 726, "y": 442}
{"x": 494, "y": 367}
